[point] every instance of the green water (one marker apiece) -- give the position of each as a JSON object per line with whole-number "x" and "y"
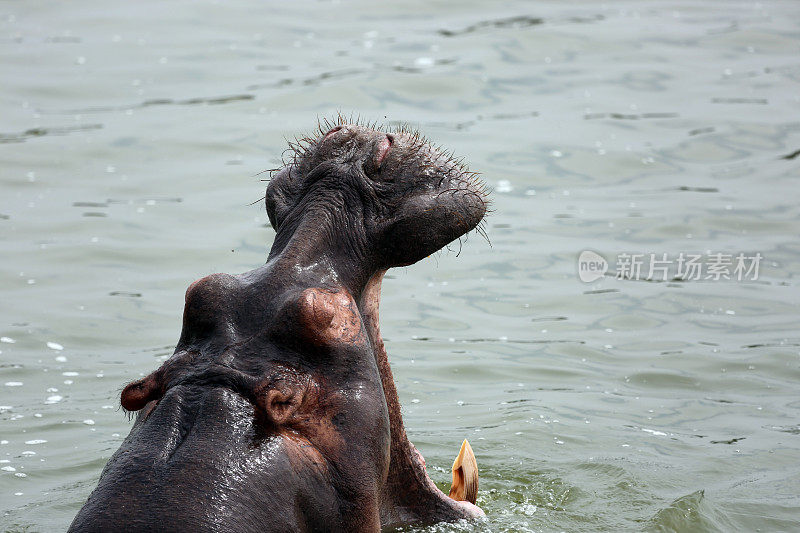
{"x": 130, "y": 139}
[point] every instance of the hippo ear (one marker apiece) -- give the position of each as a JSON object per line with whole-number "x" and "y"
{"x": 280, "y": 405}
{"x": 279, "y": 397}
{"x": 137, "y": 394}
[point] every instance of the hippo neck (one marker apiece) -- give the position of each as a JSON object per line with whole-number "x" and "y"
{"x": 313, "y": 250}
{"x": 320, "y": 248}
{"x": 407, "y": 484}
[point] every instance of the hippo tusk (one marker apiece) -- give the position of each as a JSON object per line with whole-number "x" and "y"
{"x": 465, "y": 475}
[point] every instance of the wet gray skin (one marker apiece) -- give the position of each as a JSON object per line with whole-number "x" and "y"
{"x": 278, "y": 410}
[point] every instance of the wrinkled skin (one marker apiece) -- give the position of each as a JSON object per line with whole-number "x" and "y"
{"x": 278, "y": 411}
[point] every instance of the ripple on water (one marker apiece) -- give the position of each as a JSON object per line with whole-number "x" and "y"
{"x": 692, "y": 512}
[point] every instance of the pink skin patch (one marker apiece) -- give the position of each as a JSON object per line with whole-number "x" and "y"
{"x": 383, "y": 149}
{"x": 330, "y": 317}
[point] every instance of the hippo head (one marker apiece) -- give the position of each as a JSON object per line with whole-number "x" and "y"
{"x": 404, "y": 199}
{"x": 278, "y": 410}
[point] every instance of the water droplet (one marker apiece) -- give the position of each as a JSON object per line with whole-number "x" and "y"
{"x": 504, "y": 186}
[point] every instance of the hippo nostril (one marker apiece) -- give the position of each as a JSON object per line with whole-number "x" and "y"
{"x": 332, "y": 131}
{"x": 383, "y": 149}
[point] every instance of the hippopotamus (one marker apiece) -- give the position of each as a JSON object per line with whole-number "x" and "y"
{"x": 278, "y": 410}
